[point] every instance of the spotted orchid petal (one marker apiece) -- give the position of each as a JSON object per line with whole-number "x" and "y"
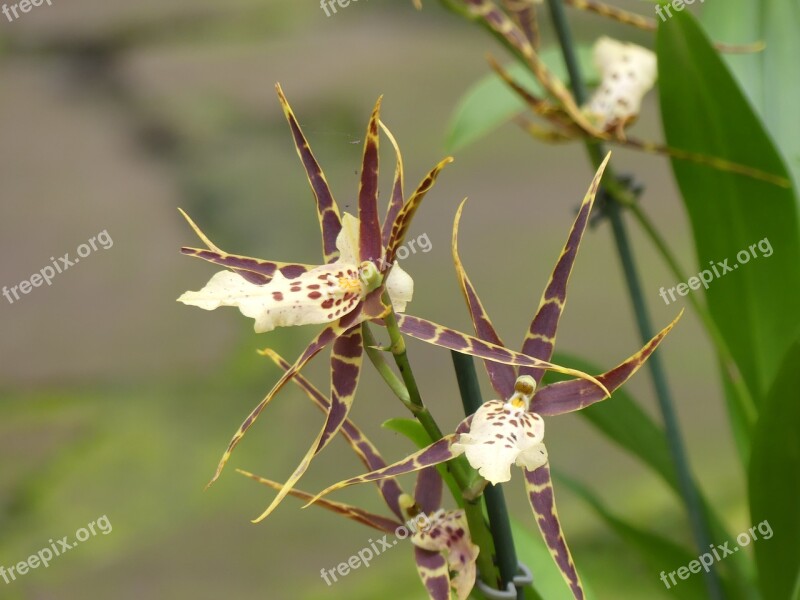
{"x": 438, "y": 335}
{"x": 327, "y": 209}
{"x": 371, "y": 308}
{"x": 541, "y": 336}
{"x": 438, "y": 452}
{"x": 402, "y": 221}
{"x": 448, "y": 534}
{"x": 346, "y": 359}
{"x": 539, "y": 487}
{"x": 346, "y": 510}
{"x": 321, "y": 295}
{"x": 365, "y": 450}
{"x": 568, "y": 396}
{"x": 628, "y": 72}
{"x": 504, "y": 433}
{"x": 502, "y": 376}
{"x": 370, "y": 245}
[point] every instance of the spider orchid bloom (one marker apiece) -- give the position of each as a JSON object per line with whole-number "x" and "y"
{"x": 441, "y": 539}
{"x": 628, "y": 72}
{"x": 347, "y": 290}
{"x": 511, "y": 431}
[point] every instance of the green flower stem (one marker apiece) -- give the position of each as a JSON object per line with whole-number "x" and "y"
{"x": 697, "y": 517}
{"x": 499, "y": 524}
{"x": 376, "y": 357}
{"x": 467, "y": 479}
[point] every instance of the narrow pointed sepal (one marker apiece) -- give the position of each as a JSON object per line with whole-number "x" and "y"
{"x": 325, "y": 337}
{"x": 254, "y": 270}
{"x": 438, "y": 452}
{"x": 327, "y": 211}
{"x": 541, "y": 337}
{"x": 501, "y": 376}
{"x": 366, "y": 451}
{"x": 370, "y": 244}
{"x": 398, "y": 198}
{"x": 402, "y": 222}
{"x": 346, "y": 358}
{"x": 428, "y": 490}
{"x": 568, "y": 396}
{"x": 346, "y": 510}
{"x": 539, "y": 487}
{"x": 435, "y": 334}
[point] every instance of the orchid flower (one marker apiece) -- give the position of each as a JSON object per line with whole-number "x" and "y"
{"x": 342, "y": 293}
{"x": 441, "y": 539}
{"x": 628, "y": 72}
{"x": 359, "y": 282}
{"x": 510, "y": 430}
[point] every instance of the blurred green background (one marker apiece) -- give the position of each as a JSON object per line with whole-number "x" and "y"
{"x": 115, "y": 400}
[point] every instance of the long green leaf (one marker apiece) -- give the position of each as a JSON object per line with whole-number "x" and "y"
{"x": 704, "y": 111}
{"x": 770, "y": 77}
{"x": 775, "y": 482}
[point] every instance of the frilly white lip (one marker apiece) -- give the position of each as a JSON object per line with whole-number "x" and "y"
{"x": 503, "y": 434}
{"x": 628, "y": 72}
{"x": 321, "y": 295}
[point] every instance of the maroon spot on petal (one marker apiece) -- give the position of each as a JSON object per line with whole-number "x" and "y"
{"x": 328, "y": 303}
{"x": 277, "y": 296}
{"x": 313, "y": 286}
{"x": 295, "y": 288}
{"x": 315, "y": 295}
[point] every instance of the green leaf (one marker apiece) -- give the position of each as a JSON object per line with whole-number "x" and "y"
{"x": 490, "y": 102}
{"x": 768, "y": 77}
{"x": 775, "y": 482}
{"x": 659, "y": 553}
{"x": 704, "y": 111}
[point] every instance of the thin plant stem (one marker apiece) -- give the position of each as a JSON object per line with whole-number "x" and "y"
{"x": 466, "y": 478}
{"x": 499, "y": 524}
{"x": 697, "y": 517}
